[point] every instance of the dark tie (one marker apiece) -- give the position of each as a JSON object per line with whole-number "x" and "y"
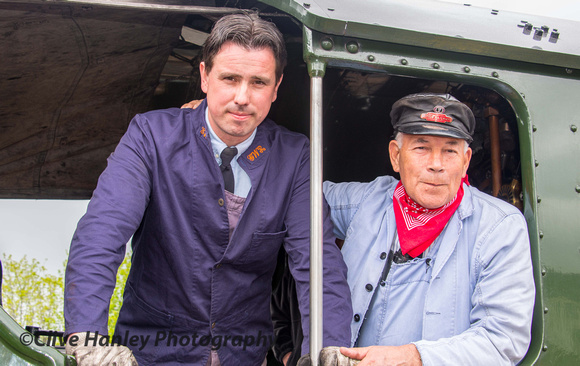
{"x": 227, "y": 155}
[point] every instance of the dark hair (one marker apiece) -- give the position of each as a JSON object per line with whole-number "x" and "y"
{"x": 247, "y": 30}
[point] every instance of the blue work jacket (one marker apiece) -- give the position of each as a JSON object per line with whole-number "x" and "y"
{"x": 191, "y": 288}
{"x": 470, "y": 302}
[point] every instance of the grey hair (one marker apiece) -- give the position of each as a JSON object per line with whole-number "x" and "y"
{"x": 399, "y": 139}
{"x": 249, "y": 31}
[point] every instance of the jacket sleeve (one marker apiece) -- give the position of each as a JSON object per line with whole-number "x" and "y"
{"x": 502, "y": 302}
{"x": 98, "y": 245}
{"x": 336, "y": 294}
{"x": 344, "y": 200}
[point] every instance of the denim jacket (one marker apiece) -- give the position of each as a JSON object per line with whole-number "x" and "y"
{"x": 474, "y": 304}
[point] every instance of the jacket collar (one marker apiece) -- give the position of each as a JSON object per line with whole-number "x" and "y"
{"x": 453, "y": 230}
{"x": 257, "y": 152}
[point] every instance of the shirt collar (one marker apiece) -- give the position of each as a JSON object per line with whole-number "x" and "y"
{"x": 218, "y": 145}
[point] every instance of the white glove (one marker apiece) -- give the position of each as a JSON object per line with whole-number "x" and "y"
{"x": 329, "y": 356}
{"x": 90, "y": 355}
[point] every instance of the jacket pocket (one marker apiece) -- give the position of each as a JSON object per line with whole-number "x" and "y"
{"x": 263, "y": 249}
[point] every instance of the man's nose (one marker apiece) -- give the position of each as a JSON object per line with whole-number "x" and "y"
{"x": 435, "y": 162}
{"x": 242, "y": 94}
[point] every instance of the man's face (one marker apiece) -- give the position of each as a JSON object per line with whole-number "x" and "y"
{"x": 240, "y": 88}
{"x": 431, "y": 167}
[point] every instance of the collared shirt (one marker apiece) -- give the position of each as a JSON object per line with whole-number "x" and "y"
{"x": 472, "y": 304}
{"x": 242, "y": 179}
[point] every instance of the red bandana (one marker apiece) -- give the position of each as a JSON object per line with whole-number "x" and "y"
{"x": 414, "y": 234}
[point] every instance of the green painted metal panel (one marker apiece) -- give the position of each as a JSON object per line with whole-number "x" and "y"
{"x": 544, "y": 98}
{"x": 18, "y": 348}
{"x": 444, "y": 26}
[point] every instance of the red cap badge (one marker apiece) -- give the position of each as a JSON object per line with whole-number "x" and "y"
{"x": 438, "y": 116}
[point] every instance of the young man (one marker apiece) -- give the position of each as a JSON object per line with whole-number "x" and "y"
{"x": 209, "y": 196}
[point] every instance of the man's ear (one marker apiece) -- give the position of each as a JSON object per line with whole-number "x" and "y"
{"x": 276, "y": 89}
{"x": 394, "y": 154}
{"x": 203, "y": 75}
{"x": 468, "y": 154}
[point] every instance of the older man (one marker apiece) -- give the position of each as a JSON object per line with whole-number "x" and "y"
{"x": 209, "y": 196}
{"x": 440, "y": 273}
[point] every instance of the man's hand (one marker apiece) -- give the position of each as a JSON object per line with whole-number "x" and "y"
{"x": 91, "y": 355}
{"x": 329, "y": 356}
{"x": 193, "y": 104}
{"x": 406, "y": 355}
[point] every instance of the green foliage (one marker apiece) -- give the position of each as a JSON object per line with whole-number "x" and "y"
{"x": 33, "y": 297}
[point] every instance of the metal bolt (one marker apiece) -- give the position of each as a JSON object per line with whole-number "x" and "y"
{"x": 545, "y": 348}
{"x": 536, "y": 163}
{"x": 541, "y": 233}
{"x": 577, "y": 189}
{"x": 306, "y": 5}
{"x": 435, "y": 65}
{"x": 534, "y": 128}
{"x": 569, "y": 71}
{"x": 539, "y": 199}
{"x": 543, "y": 271}
{"x": 371, "y": 58}
{"x": 573, "y": 128}
{"x": 495, "y": 74}
{"x": 327, "y": 44}
{"x": 545, "y": 310}
{"x": 466, "y": 69}
{"x": 352, "y": 47}
{"x": 404, "y": 62}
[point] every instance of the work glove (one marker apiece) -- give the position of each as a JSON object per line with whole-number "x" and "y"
{"x": 91, "y": 355}
{"x": 329, "y": 356}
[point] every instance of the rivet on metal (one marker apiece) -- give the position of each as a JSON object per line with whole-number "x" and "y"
{"x": 352, "y": 47}
{"x": 534, "y": 128}
{"x": 577, "y": 189}
{"x": 545, "y": 348}
{"x": 543, "y": 271}
{"x": 404, "y": 62}
{"x": 541, "y": 233}
{"x": 495, "y": 74}
{"x": 327, "y": 44}
{"x": 573, "y": 128}
{"x": 435, "y": 65}
{"x": 539, "y": 199}
{"x": 466, "y": 69}
{"x": 371, "y": 58}
{"x": 536, "y": 163}
{"x": 306, "y": 5}
{"x": 545, "y": 310}
{"x": 569, "y": 71}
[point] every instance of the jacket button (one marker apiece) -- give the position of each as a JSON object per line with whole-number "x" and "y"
{"x": 369, "y": 287}
{"x": 383, "y": 255}
{"x": 221, "y": 202}
{"x": 356, "y": 318}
